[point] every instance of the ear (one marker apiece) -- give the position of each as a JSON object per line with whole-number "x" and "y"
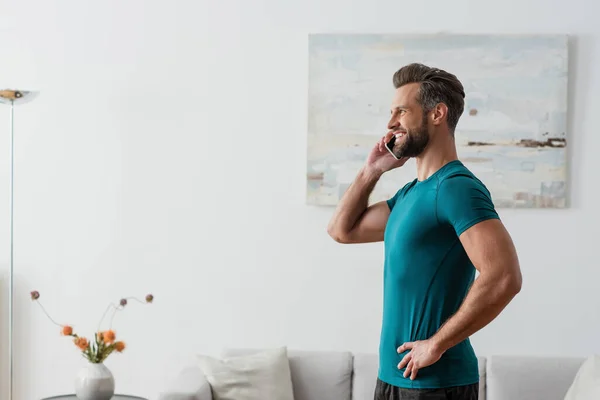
{"x": 439, "y": 113}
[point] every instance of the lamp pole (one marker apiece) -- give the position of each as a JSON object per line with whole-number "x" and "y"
{"x": 12, "y": 97}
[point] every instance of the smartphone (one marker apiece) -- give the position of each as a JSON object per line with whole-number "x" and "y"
{"x": 390, "y": 146}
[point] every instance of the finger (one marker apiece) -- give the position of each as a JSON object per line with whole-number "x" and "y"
{"x": 388, "y": 136}
{"x": 414, "y": 371}
{"x": 405, "y": 361}
{"x": 409, "y": 368}
{"x": 403, "y": 161}
{"x": 405, "y": 346}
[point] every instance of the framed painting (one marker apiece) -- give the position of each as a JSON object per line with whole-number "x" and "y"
{"x": 512, "y": 134}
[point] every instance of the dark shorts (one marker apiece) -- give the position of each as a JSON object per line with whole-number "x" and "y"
{"x": 385, "y": 391}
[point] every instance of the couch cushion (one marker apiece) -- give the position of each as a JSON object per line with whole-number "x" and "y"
{"x": 258, "y": 376}
{"x": 365, "y": 376}
{"x": 530, "y": 378}
{"x": 315, "y": 375}
{"x": 586, "y": 385}
{"x": 481, "y": 363}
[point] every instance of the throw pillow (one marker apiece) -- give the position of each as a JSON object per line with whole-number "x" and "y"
{"x": 586, "y": 385}
{"x": 259, "y": 376}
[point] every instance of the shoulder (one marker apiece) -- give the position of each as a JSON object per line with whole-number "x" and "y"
{"x": 400, "y": 193}
{"x": 459, "y": 180}
{"x": 462, "y": 199}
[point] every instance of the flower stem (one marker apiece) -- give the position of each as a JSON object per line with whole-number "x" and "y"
{"x": 136, "y": 299}
{"x": 113, "y": 316}
{"x": 48, "y": 315}
{"x": 119, "y": 308}
{"x": 104, "y": 315}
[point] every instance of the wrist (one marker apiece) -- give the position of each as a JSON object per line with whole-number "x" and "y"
{"x": 438, "y": 345}
{"x": 371, "y": 173}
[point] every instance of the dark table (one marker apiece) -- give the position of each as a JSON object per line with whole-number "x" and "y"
{"x": 115, "y": 397}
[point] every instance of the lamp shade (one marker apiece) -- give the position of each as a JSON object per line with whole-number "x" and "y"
{"x": 11, "y": 96}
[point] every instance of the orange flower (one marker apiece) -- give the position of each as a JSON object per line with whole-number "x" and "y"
{"x": 109, "y": 336}
{"x": 119, "y": 346}
{"x": 67, "y": 330}
{"x": 81, "y": 342}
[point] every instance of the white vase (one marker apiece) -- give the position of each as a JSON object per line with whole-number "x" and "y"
{"x": 94, "y": 382}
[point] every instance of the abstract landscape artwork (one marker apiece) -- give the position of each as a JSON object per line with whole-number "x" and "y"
{"x": 512, "y": 134}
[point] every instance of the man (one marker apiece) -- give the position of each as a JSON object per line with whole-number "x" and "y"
{"x": 437, "y": 230}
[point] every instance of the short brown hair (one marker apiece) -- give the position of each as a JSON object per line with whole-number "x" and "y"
{"x": 437, "y": 86}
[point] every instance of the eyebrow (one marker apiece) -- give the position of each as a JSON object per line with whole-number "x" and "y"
{"x": 401, "y": 107}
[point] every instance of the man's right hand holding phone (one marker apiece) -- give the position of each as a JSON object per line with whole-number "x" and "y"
{"x": 380, "y": 160}
{"x": 354, "y": 220}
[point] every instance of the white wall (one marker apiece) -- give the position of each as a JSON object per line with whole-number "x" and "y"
{"x": 166, "y": 154}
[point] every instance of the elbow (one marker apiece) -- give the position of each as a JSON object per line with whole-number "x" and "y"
{"x": 512, "y": 284}
{"x": 337, "y": 235}
{"x": 518, "y": 284}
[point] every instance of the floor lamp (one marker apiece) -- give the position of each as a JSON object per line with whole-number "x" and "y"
{"x": 12, "y": 98}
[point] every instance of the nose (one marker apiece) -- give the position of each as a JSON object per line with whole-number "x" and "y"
{"x": 394, "y": 123}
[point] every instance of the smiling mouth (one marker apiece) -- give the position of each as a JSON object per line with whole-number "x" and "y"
{"x": 399, "y": 134}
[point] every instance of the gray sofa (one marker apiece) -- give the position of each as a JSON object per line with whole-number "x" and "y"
{"x": 347, "y": 376}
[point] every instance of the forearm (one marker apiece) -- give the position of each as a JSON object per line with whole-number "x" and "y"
{"x": 488, "y": 296}
{"x": 354, "y": 202}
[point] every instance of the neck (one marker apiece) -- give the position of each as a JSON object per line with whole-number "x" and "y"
{"x": 440, "y": 151}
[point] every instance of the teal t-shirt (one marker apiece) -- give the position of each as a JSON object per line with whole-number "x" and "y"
{"x": 427, "y": 272}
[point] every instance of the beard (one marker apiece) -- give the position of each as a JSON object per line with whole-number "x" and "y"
{"x": 414, "y": 142}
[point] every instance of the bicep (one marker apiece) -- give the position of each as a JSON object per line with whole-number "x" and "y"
{"x": 491, "y": 249}
{"x": 370, "y": 227}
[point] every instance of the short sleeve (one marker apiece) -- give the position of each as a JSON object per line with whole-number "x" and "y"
{"x": 463, "y": 201}
{"x": 391, "y": 202}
